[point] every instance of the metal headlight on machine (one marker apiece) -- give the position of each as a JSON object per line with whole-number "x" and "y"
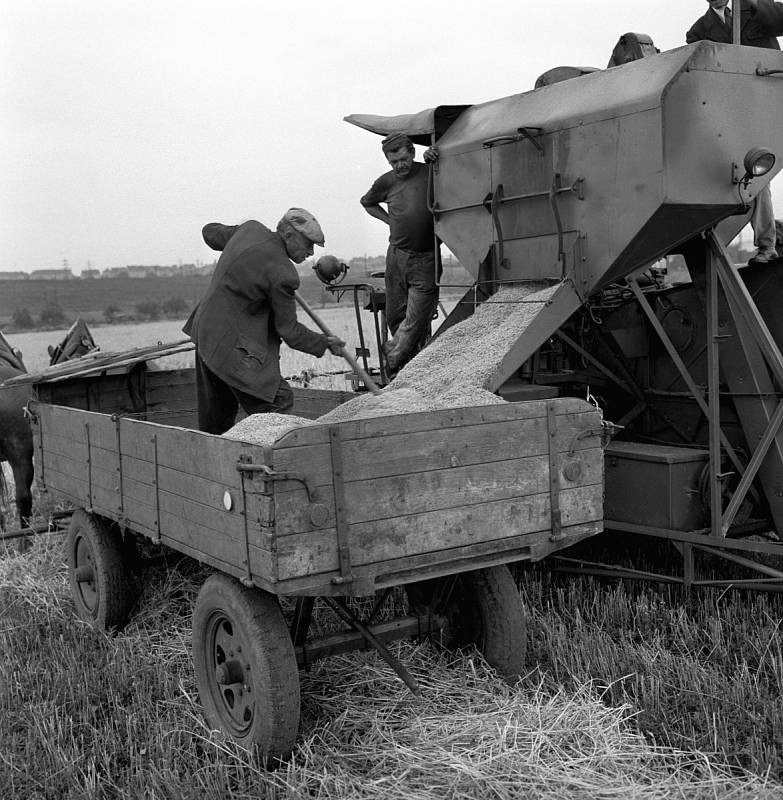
{"x": 330, "y": 270}
{"x": 758, "y": 161}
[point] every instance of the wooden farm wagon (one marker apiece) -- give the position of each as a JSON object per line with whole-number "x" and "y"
{"x": 440, "y": 502}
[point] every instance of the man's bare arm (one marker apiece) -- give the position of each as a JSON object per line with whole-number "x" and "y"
{"x": 379, "y": 212}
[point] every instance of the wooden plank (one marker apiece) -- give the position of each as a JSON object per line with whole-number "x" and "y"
{"x": 163, "y": 379}
{"x": 377, "y": 541}
{"x": 454, "y": 497}
{"x": 175, "y": 419}
{"x": 528, "y": 547}
{"x": 408, "y": 452}
{"x": 182, "y": 449}
{"x": 107, "y": 393}
{"x": 139, "y": 497}
{"x": 74, "y": 446}
{"x": 192, "y": 452}
{"x": 72, "y": 396}
{"x": 96, "y": 362}
{"x": 200, "y": 489}
{"x": 370, "y": 577}
{"x": 388, "y": 498}
{"x": 182, "y": 532}
{"x": 67, "y": 485}
{"x": 435, "y": 420}
{"x": 313, "y": 403}
{"x": 171, "y": 390}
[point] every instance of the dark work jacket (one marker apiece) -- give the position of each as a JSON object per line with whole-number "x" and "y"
{"x": 758, "y": 29}
{"x": 248, "y": 308}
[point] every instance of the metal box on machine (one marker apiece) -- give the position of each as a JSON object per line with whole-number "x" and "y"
{"x": 652, "y": 485}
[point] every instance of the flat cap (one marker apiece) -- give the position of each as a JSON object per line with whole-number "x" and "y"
{"x": 396, "y": 141}
{"x": 303, "y": 221}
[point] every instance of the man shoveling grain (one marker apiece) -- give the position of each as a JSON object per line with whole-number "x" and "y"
{"x": 453, "y": 371}
{"x": 248, "y": 309}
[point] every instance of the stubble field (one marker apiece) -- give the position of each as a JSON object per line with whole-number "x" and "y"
{"x": 633, "y": 691}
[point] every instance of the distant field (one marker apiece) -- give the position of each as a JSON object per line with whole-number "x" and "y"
{"x": 117, "y": 338}
{"x": 90, "y": 297}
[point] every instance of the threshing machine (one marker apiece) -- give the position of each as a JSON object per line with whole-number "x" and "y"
{"x": 589, "y": 183}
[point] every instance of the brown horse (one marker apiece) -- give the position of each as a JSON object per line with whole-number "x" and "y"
{"x": 16, "y": 443}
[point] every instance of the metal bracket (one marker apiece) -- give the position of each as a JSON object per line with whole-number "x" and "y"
{"x": 272, "y": 475}
{"x": 340, "y": 516}
{"x": 247, "y": 578}
{"x": 553, "y": 192}
{"x": 156, "y": 482}
{"x": 492, "y": 203}
{"x": 117, "y": 420}
{"x": 523, "y": 133}
{"x": 607, "y": 431}
{"x": 338, "y": 606}
{"x": 89, "y": 463}
{"x": 554, "y": 475}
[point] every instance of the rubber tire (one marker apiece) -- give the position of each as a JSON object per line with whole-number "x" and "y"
{"x": 232, "y": 620}
{"x": 484, "y": 611}
{"x": 106, "y": 599}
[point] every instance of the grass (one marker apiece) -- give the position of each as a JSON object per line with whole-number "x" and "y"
{"x": 632, "y": 693}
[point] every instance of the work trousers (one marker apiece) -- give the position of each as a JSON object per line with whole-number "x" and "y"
{"x": 763, "y": 220}
{"x": 411, "y": 302}
{"x": 218, "y": 402}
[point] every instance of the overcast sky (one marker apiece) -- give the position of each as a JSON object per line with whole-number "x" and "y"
{"x": 127, "y": 125}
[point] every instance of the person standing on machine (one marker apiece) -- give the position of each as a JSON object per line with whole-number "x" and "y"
{"x": 760, "y": 25}
{"x": 411, "y": 285}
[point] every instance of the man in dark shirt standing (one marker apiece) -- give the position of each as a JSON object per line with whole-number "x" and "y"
{"x": 761, "y": 22}
{"x": 411, "y": 285}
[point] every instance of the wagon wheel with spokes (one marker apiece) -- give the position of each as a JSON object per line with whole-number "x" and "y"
{"x": 245, "y": 664}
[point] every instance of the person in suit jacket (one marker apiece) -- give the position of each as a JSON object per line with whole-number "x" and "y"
{"x": 761, "y": 23}
{"x": 247, "y": 310}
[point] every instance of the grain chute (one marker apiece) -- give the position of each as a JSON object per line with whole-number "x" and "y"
{"x": 587, "y": 183}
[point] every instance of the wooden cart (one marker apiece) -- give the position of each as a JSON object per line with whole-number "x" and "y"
{"x": 439, "y": 502}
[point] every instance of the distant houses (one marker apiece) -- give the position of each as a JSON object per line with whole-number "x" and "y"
{"x": 134, "y": 271}
{"x": 63, "y": 274}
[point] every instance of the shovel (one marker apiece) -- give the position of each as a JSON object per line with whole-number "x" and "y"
{"x": 366, "y": 379}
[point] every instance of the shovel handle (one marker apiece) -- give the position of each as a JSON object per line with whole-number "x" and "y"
{"x": 366, "y": 379}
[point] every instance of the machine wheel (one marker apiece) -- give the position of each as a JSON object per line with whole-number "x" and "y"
{"x": 98, "y": 575}
{"x": 246, "y": 669}
{"x": 482, "y": 609}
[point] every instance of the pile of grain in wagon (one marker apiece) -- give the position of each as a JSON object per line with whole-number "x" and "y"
{"x": 389, "y": 401}
{"x": 265, "y": 429}
{"x": 452, "y": 372}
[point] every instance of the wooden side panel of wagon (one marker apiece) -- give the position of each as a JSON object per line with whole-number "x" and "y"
{"x": 342, "y": 508}
{"x": 392, "y": 499}
{"x": 177, "y": 486}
